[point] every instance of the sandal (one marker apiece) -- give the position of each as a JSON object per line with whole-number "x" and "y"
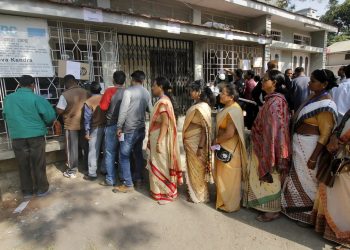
{"x": 264, "y": 218}
{"x": 163, "y": 202}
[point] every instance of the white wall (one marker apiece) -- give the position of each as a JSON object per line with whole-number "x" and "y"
{"x": 337, "y": 59}
{"x": 288, "y": 33}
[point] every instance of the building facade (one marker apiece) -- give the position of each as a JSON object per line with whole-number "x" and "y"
{"x": 176, "y": 39}
{"x": 338, "y": 54}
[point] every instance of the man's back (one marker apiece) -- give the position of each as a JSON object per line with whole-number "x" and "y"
{"x": 114, "y": 107}
{"x": 75, "y": 98}
{"x": 27, "y": 114}
{"x": 300, "y": 90}
{"x": 136, "y": 101}
{"x": 341, "y": 96}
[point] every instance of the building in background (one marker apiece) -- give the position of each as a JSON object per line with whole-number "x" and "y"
{"x": 180, "y": 40}
{"x": 338, "y": 54}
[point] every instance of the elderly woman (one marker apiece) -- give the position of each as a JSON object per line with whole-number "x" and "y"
{"x": 270, "y": 152}
{"x": 230, "y": 137}
{"x": 332, "y": 204}
{"x": 164, "y": 165}
{"x": 196, "y": 141}
{"x": 313, "y": 124}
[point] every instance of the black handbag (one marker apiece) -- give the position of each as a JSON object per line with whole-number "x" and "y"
{"x": 224, "y": 155}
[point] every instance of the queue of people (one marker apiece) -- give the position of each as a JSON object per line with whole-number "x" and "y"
{"x": 278, "y": 169}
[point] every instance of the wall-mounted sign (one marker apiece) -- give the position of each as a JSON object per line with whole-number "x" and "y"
{"x": 24, "y": 47}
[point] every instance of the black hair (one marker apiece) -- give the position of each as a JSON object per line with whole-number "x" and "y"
{"x": 239, "y": 73}
{"x": 167, "y": 87}
{"x": 257, "y": 78}
{"x": 138, "y": 76}
{"x": 299, "y": 70}
{"x": 69, "y": 79}
{"x": 26, "y": 80}
{"x": 206, "y": 95}
{"x": 276, "y": 75}
{"x": 325, "y": 75}
{"x": 273, "y": 64}
{"x": 251, "y": 73}
{"x": 95, "y": 88}
{"x": 286, "y": 71}
{"x": 347, "y": 71}
{"x": 231, "y": 91}
{"x": 119, "y": 77}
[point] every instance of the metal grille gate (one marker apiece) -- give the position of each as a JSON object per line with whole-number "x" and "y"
{"x": 98, "y": 48}
{"x": 220, "y": 56}
{"x": 105, "y": 51}
{"x": 170, "y": 58}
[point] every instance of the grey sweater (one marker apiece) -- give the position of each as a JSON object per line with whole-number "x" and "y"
{"x": 136, "y": 102}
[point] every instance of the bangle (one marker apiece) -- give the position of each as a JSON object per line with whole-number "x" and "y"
{"x": 312, "y": 161}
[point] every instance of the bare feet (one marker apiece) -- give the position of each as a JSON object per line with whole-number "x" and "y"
{"x": 267, "y": 217}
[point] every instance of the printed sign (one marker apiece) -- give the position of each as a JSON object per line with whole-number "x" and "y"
{"x": 24, "y": 47}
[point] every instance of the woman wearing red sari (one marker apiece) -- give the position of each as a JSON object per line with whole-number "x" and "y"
{"x": 270, "y": 153}
{"x": 165, "y": 171}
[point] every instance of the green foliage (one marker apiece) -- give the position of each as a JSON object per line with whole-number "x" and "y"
{"x": 339, "y": 16}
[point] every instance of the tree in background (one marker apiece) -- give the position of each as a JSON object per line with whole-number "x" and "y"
{"x": 339, "y": 16}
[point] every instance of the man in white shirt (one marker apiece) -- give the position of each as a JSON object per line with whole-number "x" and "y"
{"x": 341, "y": 94}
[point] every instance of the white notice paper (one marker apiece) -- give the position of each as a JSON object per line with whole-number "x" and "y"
{"x": 245, "y": 64}
{"x": 93, "y": 15}
{"x": 257, "y": 62}
{"x": 73, "y": 68}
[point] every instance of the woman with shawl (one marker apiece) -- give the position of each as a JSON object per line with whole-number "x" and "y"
{"x": 270, "y": 151}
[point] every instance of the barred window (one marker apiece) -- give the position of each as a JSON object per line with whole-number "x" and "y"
{"x": 302, "y": 40}
{"x": 347, "y": 56}
{"x": 276, "y": 35}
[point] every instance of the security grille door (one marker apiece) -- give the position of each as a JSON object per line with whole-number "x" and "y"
{"x": 169, "y": 58}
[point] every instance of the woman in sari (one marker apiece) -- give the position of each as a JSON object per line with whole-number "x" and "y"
{"x": 196, "y": 140}
{"x": 332, "y": 204}
{"x": 164, "y": 166}
{"x": 230, "y": 136}
{"x": 312, "y": 126}
{"x": 270, "y": 151}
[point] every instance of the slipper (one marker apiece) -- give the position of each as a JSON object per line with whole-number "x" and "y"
{"x": 263, "y": 218}
{"x": 163, "y": 202}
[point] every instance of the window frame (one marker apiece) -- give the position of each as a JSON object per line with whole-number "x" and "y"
{"x": 281, "y": 35}
{"x": 302, "y": 39}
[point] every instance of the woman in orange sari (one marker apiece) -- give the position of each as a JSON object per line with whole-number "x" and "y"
{"x": 165, "y": 171}
{"x": 230, "y": 136}
{"x": 196, "y": 140}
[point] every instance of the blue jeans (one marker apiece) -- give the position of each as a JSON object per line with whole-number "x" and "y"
{"x": 96, "y": 136}
{"x": 132, "y": 143}
{"x": 110, "y": 151}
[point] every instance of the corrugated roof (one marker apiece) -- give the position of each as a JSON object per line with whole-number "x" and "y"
{"x": 339, "y": 47}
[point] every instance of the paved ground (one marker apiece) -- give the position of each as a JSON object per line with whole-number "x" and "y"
{"x": 84, "y": 215}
